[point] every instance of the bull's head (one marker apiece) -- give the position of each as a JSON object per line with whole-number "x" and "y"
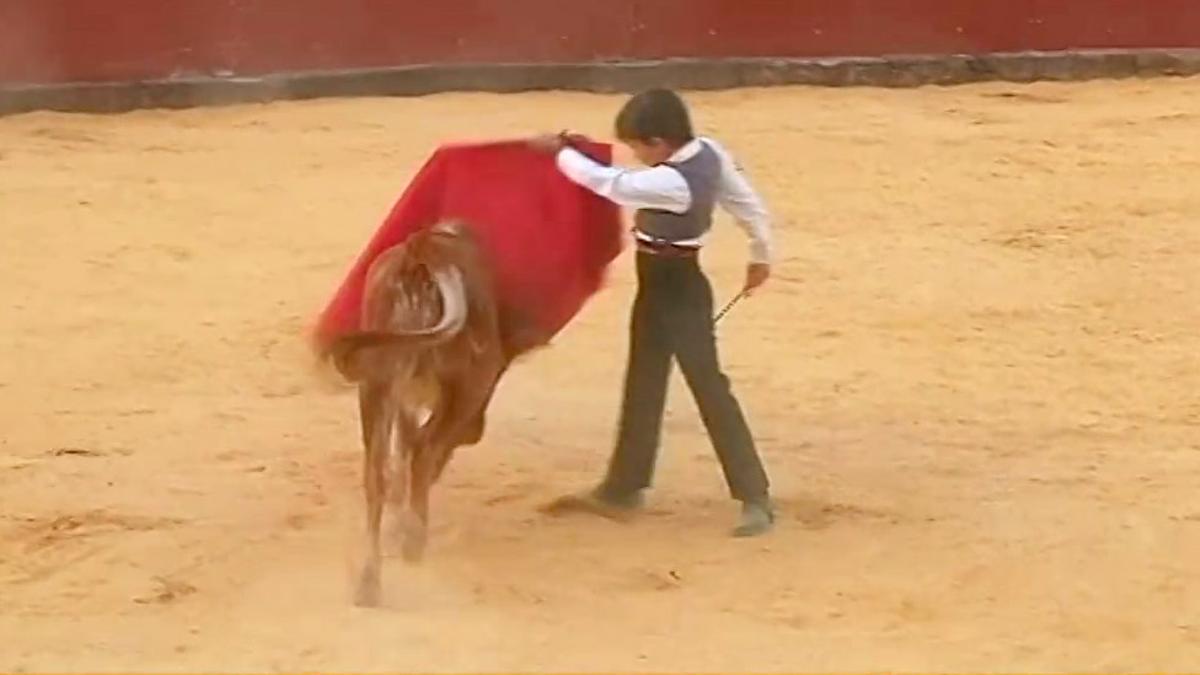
{"x": 439, "y": 255}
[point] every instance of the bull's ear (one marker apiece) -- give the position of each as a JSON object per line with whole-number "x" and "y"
{"x": 360, "y": 355}
{"x": 346, "y": 355}
{"x": 345, "y": 364}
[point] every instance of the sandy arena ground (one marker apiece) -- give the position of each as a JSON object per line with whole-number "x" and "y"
{"x": 976, "y": 380}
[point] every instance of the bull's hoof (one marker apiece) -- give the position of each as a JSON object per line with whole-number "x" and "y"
{"x": 414, "y": 535}
{"x": 415, "y": 542}
{"x": 370, "y": 588}
{"x": 394, "y": 534}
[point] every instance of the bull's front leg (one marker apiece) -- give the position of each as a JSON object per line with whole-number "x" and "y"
{"x": 373, "y": 404}
{"x": 399, "y": 482}
{"x": 469, "y": 418}
{"x": 424, "y": 460}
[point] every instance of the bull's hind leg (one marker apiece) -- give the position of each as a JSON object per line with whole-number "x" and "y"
{"x": 376, "y": 419}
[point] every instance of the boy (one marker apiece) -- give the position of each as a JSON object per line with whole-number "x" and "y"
{"x": 674, "y": 201}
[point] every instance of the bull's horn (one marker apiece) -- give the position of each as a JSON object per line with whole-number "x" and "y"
{"x": 449, "y": 281}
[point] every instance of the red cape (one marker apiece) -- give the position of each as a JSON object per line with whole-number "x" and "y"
{"x": 550, "y": 240}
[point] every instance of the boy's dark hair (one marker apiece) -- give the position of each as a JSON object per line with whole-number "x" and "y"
{"x": 656, "y": 113}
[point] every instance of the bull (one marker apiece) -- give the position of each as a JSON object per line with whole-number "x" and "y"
{"x": 434, "y": 342}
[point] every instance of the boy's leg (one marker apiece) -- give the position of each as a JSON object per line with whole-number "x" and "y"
{"x": 696, "y": 348}
{"x": 647, "y": 373}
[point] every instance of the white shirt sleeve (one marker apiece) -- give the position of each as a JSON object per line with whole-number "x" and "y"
{"x": 660, "y": 187}
{"x": 739, "y": 199}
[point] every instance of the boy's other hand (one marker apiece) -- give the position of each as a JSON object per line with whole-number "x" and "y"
{"x": 756, "y": 275}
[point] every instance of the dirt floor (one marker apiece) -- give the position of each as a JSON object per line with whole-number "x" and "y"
{"x": 975, "y": 378}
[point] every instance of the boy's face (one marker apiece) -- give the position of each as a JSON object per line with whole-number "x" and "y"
{"x": 651, "y": 152}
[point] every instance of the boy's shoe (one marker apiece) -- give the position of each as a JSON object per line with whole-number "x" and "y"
{"x": 758, "y": 517}
{"x": 599, "y": 501}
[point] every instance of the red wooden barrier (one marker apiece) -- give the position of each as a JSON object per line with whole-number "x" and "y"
{"x": 51, "y": 41}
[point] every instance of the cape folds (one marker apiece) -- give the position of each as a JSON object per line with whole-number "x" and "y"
{"x": 549, "y": 240}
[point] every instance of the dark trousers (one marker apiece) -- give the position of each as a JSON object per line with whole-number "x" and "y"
{"x": 673, "y": 318}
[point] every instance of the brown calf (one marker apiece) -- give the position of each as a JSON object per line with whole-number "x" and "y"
{"x": 433, "y": 347}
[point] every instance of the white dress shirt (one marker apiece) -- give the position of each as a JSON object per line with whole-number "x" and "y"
{"x": 663, "y": 188}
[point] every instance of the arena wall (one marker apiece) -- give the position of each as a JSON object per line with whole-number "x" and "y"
{"x": 56, "y": 43}
{"x": 48, "y": 41}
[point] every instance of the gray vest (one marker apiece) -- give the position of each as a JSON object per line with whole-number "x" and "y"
{"x": 703, "y": 174}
